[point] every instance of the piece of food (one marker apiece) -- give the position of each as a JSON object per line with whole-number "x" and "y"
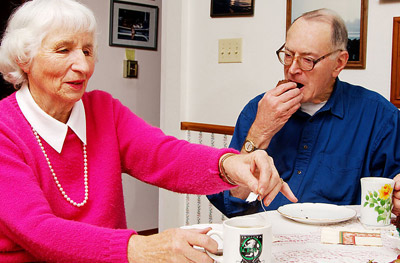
{"x": 299, "y": 85}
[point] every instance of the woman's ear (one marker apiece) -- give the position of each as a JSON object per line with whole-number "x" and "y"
{"x": 25, "y": 66}
{"x": 341, "y": 62}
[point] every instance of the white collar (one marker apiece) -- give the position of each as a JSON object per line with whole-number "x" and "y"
{"x": 311, "y": 108}
{"x": 50, "y": 129}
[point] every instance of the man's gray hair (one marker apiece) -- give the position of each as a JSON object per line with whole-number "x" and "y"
{"x": 339, "y": 30}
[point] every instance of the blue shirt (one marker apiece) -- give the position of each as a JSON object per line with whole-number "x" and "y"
{"x": 322, "y": 157}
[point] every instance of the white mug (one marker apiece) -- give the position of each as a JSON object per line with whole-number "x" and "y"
{"x": 245, "y": 240}
{"x": 376, "y": 201}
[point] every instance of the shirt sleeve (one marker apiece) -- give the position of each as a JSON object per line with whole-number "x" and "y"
{"x": 385, "y": 157}
{"x": 244, "y": 122}
{"x": 232, "y": 206}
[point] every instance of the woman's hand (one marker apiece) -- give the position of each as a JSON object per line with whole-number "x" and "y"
{"x": 172, "y": 245}
{"x": 257, "y": 172}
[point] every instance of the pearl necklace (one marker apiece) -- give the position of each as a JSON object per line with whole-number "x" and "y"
{"x": 85, "y": 173}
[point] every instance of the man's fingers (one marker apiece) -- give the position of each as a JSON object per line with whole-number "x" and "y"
{"x": 397, "y": 182}
{"x": 282, "y": 88}
{"x": 396, "y": 207}
{"x": 396, "y": 194}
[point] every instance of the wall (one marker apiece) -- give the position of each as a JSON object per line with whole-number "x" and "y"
{"x": 209, "y": 82}
{"x": 194, "y": 87}
{"x": 141, "y": 95}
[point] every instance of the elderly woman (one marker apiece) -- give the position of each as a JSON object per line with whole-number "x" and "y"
{"x": 62, "y": 152}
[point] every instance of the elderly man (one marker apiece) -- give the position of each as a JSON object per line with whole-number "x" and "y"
{"x": 324, "y": 134}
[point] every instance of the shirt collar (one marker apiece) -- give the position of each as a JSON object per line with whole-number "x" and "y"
{"x": 50, "y": 129}
{"x": 335, "y": 103}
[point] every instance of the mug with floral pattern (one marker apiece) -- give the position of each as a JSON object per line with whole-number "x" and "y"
{"x": 376, "y": 201}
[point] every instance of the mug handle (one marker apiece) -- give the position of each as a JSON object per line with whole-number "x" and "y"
{"x": 220, "y": 235}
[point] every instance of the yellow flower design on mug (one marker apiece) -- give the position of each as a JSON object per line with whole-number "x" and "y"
{"x": 385, "y": 191}
{"x": 380, "y": 201}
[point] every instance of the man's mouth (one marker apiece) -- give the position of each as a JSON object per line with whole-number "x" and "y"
{"x": 299, "y": 85}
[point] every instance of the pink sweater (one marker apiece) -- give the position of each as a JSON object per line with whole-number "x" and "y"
{"x": 37, "y": 223}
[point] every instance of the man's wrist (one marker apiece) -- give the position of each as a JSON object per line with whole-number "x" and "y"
{"x": 249, "y": 146}
{"x": 260, "y": 140}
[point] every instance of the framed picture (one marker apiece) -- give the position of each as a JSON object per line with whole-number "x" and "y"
{"x": 221, "y": 8}
{"x": 395, "y": 85}
{"x": 354, "y": 14}
{"x": 133, "y": 25}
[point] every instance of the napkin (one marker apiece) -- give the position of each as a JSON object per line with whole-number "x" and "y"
{"x": 252, "y": 197}
{"x": 349, "y": 236}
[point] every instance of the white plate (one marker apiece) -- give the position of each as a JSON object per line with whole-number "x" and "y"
{"x": 316, "y": 213}
{"x": 214, "y": 227}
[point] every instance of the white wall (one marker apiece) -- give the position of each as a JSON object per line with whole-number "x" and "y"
{"x": 209, "y": 83}
{"x": 194, "y": 87}
{"x": 141, "y": 95}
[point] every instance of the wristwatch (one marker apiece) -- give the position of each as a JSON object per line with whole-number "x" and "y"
{"x": 249, "y": 146}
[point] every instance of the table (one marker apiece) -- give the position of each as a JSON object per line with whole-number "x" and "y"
{"x": 301, "y": 243}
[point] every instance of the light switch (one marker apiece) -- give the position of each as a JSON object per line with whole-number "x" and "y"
{"x": 130, "y": 69}
{"x": 230, "y": 50}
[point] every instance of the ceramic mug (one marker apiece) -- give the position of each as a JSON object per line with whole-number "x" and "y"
{"x": 245, "y": 240}
{"x": 376, "y": 201}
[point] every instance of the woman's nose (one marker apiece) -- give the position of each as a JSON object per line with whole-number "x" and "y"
{"x": 80, "y": 62}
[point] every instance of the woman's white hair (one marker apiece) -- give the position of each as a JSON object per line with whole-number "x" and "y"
{"x": 31, "y": 23}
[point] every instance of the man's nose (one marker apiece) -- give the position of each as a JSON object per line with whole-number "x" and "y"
{"x": 294, "y": 67}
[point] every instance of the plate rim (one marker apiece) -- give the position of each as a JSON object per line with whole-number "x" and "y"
{"x": 316, "y": 220}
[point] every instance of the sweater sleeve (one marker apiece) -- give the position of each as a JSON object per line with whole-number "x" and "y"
{"x": 26, "y": 217}
{"x": 153, "y": 157}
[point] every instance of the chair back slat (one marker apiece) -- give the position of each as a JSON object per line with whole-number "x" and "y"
{"x": 197, "y": 207}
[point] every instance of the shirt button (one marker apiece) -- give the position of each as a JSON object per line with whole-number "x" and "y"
{"x": 298, "y": 172}
{"x": 305, "y": 147}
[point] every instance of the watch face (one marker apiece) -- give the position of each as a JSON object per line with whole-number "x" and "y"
{"x": 248, "y": 146}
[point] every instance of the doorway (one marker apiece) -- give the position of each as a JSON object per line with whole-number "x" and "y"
{"x": 6, "y": 8}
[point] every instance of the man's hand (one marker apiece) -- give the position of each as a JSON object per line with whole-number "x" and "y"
{"x": 396, "y": 196}
{"x": 274, "y": 110}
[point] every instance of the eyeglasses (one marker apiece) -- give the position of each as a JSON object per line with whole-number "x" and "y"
{"x": 305, "y": 63}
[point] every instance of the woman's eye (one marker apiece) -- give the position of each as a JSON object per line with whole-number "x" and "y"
{"x": 62, "y": 50}
{"x": 87, "y": 52}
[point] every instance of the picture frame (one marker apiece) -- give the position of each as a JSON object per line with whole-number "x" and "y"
{"x": 231, "y": 8}
{"x": 395, "y": 80}
{"x": 355, "y": 15}
{"x": 133, "y": 25}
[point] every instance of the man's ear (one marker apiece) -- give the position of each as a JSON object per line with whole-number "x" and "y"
{"x": 341, "y": 62}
